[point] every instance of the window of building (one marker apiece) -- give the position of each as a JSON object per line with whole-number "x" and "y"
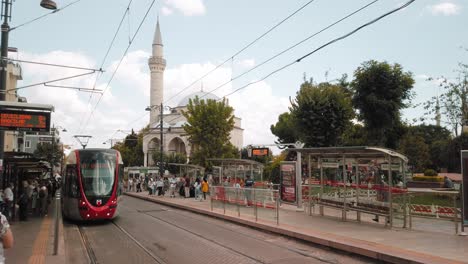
{"x": 27, "y": 144}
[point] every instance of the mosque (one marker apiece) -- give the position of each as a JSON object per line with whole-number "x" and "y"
{"x": 173, "y": 140}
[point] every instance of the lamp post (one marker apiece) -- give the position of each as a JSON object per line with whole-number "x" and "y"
{"x": 161, "y": 128}
{"x": 6, "y": 15}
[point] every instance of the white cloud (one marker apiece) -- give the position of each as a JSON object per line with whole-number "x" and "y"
{"x": 186, "y": 7}
{"x": 247, "y": 63}
{"x": 122, "y": 106}
{"x": 71, "y": 106}
{"x": 166, "y": 11}
{"x": 259, "y": 108}
{"x": 446, "y": 8}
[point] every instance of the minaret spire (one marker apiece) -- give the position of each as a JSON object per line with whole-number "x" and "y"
{"x": 157, "y": 65}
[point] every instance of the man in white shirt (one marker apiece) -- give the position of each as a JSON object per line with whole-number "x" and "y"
{"x": 172, "y": 186}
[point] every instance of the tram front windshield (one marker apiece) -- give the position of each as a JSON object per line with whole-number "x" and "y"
{"x": 97, "y": 172}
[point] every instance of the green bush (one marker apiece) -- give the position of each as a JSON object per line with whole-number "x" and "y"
{"x": 428, "y": 178}
{"x": 430, "y": 172}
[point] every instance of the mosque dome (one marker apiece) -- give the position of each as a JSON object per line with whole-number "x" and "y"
{"x": 201, "y": 95}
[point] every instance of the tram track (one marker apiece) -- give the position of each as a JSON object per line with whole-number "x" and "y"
{"x": 297, "y": 251}
{"x": 205, "y": 238}
{"x": 89, "y": 250}
{"x": 293, "y": 250}
{"x": 93, "y": 259}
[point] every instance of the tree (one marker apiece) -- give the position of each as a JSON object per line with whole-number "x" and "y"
{"x": 321, "y": 113}
{"x": 208, "y": 128}
{"x": 49, "y": 152}
{"x": 413, "y": 146}
{"x": 131, "y": 148}
{"x": 285, "y": 129}
{"x": 355, "y": 135}
{"x": 452, "y": 103}
{"x": 380, "y": 91}
{"x": 436, "y": 138}
{"x": 272, "y": 168}
{"x": 451, "y": 155}
{"x": 170, "y": 158}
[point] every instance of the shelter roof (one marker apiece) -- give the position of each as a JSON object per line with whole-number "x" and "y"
{"x": 360, "y": 151}
{"x": 25, "y": 160}
{"x": 187, "y": 165}
{"x": 237, "y": 162}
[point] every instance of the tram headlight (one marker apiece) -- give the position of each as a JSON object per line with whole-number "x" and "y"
{"x": 87, "y": 215}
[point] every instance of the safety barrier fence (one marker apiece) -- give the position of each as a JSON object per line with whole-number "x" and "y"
{"x": 408, "y": 209}
{"x": 257, "y": 203}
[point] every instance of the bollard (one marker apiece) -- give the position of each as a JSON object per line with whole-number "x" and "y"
{"x": 255, "y": 208}
{"x": 277, "y": 209}
{"x": 57, "y": 215}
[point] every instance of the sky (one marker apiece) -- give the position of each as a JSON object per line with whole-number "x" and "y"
{"x": 426, "y": 38}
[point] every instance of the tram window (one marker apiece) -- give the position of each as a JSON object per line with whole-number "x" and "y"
{"x": 98, "y": 173}
{"x": 72, "y": 182}
{"x": 120, "y": 180}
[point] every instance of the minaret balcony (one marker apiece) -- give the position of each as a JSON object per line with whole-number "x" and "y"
{"x": 157, "y": 60}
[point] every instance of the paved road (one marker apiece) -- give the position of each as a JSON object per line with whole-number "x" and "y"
{"x": 146, "y": 232}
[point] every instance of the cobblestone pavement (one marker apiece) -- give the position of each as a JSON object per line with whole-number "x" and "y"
{"x": 167, "y": 235}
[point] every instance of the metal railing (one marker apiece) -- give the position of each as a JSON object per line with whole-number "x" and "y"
{"x": 257, "y": 203}
{"x": 400, "y": 208}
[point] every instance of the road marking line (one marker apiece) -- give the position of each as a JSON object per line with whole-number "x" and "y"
{"x": 40, "y": 244}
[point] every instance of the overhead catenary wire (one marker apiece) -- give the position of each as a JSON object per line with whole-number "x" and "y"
{"x": 325, "y": 45}
{"x": 47, "y": 14}
{"x": 120, "y": 62}
{"x": 292, "y": 47}
{"x": 241, "y": 50}
{"x": 319, "y": 48}
{"x": 127, "y": 10}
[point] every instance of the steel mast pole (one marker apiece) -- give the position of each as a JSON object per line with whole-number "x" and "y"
{"x": 4, "y": 64}
{"x": 161, "y": 147}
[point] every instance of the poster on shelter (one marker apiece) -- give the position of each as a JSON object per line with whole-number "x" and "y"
{"x": 464, "y": 187}
{"x": 288, "y": 182}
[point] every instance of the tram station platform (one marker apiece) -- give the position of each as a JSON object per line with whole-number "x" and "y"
{"x": 34, "y": 240}
{"x": 396, "y": 245}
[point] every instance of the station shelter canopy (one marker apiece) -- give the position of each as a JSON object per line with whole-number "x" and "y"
{"x": 234, "y": 170}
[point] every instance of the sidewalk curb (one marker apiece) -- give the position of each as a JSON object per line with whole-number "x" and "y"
{"x": 356, "y": 246}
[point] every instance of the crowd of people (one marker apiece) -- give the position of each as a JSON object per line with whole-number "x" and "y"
{"x": 172, "y": 186}
{"x": 33, "y": 198}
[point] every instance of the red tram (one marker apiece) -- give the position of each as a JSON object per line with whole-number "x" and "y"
{"x": 92, "y": 184}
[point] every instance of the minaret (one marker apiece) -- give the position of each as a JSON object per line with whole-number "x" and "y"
{"x": 157, "y": 65}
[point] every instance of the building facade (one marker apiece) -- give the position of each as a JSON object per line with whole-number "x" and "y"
{"x": 173, "y": 140}
{"x": 14, "y": 74}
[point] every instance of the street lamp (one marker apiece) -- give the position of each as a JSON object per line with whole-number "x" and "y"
{"x": 161, "y": 127}
{"x": 5, "y": 28}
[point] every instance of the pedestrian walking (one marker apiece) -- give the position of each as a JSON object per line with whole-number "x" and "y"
{"x": 197, "y": 186}
{"x": 138, "y": 185}
{"x": 172, "y": 186}
{"x": 248, "y": 185}
{"x": 205, "y": 187}
{"x": 130, "y": 185}
{"x": 23, "y": 205}
{"x": 43, "y": 200}
{"x": 160, "y": 186}
{"x": 187, "y": 187}
{"x": 6, "y": 237}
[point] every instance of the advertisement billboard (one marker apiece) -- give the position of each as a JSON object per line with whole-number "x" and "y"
{"x": 288, "y": 181}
